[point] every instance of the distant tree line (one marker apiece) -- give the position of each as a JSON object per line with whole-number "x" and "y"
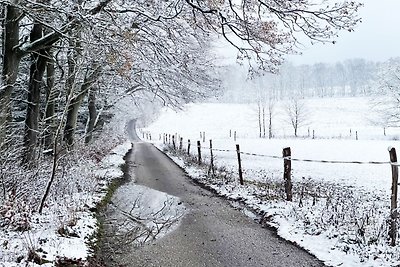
{"x": 353, "y": 77}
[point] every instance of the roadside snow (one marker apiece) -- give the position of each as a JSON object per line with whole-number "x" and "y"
{"x": 65, "y": 229}
{"x": 335, "y": 246}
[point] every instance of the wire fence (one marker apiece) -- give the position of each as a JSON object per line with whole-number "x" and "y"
{"x": 174, "y": 138}
{"x": 307, "y": 160}
{"x": 297, "y": 159}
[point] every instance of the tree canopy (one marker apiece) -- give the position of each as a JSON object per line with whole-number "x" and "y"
{"x": 101, "y": 51}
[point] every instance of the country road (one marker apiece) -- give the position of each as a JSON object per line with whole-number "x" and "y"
{"x": 211, "y": 232}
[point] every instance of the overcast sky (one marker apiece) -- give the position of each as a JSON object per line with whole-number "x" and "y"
{"x": 376, "y": 38}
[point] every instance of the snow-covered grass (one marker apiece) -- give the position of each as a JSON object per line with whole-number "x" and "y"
{"x": 328, "y": 117}
{"x": 62, "y": 234}
{"x": 340, "y": 212}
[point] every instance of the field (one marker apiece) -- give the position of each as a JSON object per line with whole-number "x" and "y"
{"x": 340, "y": 210}
{"x": 331, "y": 120}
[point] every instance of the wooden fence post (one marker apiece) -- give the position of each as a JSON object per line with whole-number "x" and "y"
{"x": 169, "y": 138}
{"x": 188, "y": 150}
{"x": 212, "y": 159}
{"x": 234, "y": 136}
{"x": 393, "y": 199}
{"x": 230, "y": 133}
{"x": 204, "y": 137}
{"x": 180, "y": 143}
{"x": 199, "y": 152}
{"x": 356, "y": 135}
{"x": 287, "y": 170}
{"x": 240, "y": 164}
{"x": 173, "y": 142}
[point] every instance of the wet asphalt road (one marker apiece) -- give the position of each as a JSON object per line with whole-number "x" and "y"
{"x": 212, "y": 232}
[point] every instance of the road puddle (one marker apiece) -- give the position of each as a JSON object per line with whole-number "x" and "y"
{"x": 138, "y": 214}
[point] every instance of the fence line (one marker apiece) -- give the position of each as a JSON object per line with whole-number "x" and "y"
{"x": 305, "y": 160}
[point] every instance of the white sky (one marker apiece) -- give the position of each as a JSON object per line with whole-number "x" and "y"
{"x": 376, "y": 38}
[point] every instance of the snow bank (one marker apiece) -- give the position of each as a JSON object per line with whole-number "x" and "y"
{"x": 63, "y": 231}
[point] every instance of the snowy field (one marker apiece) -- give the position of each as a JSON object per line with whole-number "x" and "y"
{"x": 357, "y": 234}
{"x": 328, "y": 117}
{"x": 331, "y": 118}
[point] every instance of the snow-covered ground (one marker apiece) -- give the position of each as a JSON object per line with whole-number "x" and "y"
{"x": 340, "y": 210}
{"x": 340, "y": 114}
{"x": 62, "y": 235}
{"x": 328, "y": 117}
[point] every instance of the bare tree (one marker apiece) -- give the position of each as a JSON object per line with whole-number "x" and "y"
{"x": 261, "y": 116}
{"x": 265, "y": 110}
{"x": 271, "y": 114}
{"x": 386, "y": 102}
{"x": 297, "y": 113}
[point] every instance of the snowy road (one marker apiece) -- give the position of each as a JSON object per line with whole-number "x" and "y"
{"x": 211, "y": 233}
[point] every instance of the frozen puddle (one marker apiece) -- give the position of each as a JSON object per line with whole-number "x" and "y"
{"x": 138, "y": 214}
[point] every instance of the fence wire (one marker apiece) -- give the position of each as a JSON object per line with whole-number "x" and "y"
{"x": 194, "y": 144}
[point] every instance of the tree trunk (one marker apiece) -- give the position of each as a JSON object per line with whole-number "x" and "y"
{"x": 270, "y": 115}
{"x": 37, "y": 69}
{"x": 270, "y": 126}
{"x": 72, "y": 118}
{"x": 70, "y": 86}
{"x": 72, "y": 57}
{"x": 259, "y": 117}
{"x": 92, "y": 116}
{"x": 75, "y": 103}
{"x": 3, "y": 15}
{"x": 263, "y": 120}
{"x": 51, "y": 95}
{"x": 11, "y": 60}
